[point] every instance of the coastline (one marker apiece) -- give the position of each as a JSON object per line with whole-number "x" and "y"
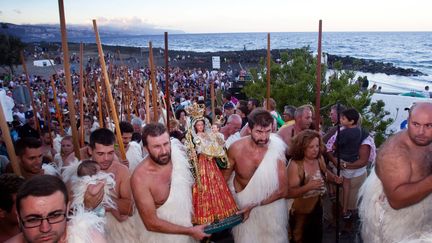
{"x": 136, "y": 57}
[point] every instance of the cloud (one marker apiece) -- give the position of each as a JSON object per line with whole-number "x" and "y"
{"x": 131, "y": 23}
{"x": 17, "y": 11}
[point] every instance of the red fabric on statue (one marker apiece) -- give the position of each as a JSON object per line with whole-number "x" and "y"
{"x": 212, "y": 199}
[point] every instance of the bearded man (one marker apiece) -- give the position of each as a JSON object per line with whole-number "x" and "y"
{"x": 162, "y": 188}
{"x": 259, "y": 184}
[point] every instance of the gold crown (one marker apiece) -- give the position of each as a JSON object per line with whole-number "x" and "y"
{"x": 219, "y": 120}
{"x": 196, "y": 111}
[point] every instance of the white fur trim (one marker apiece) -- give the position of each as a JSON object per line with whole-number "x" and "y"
{"x": 80, "y": 184}
{"x": 83, "y": 225}
{"x": 125, "y": 231}
{"x": 57, "y": 143}
{"x": 134, "y": 155}
{"x": 424, "y": 238}
{"x": 70, "y": 171}
{"x": 266, "y": 223}
{"x": 382, "y": 223}
{"x": 178, "y": 207}
{"x": 50, "y": 169}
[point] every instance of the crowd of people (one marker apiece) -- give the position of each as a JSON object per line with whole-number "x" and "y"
{"x": 241, "y": 157}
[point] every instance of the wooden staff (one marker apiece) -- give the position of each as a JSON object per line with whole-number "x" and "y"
{"x": 44, "y": 116}
{"x": 163, "y": 106}
{"x": 268, "y": 73}
{"x": 136, "y": 92}
{"x": 126, "y": 92}
{"x": 212, "y": 97}
{"x": 81, "y": 103}
{"x": 108, "y": 92}
{"x": 99, "y": 101}
{"x": 47, "y": 116}
{"x": 70, "y": 97}
{"x": 318, "y": 80}
{"x": 35, "y": 111}
{"x": 147, "y": 100}
{"x": 52, "y": 65}
{"x": 8, "y": 141}
{"x": 154, "y": 87}
{"x": 127, "y": 102}
{"x": 58, "y": 109}
{"x": 167, "y": 83}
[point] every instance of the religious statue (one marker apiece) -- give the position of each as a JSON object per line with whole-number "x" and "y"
{"x": 212, "y": 200}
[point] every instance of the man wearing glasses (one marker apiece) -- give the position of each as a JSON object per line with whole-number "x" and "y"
{"x": 42, "y": 206}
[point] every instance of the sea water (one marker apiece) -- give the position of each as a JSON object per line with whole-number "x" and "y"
{"x": 403, "y": 49}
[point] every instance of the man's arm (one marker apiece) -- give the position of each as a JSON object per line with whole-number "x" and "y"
{"x": 395, "y": 171}
{"x": 231, "y": 160}
{"x": 147, "y": 211}
{"x": 124, "y": 200}
{"x": 282, "y": 191}
{"x": 284, "y": 133}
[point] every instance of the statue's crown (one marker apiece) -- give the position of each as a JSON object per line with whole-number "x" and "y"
{"x": 196, "y": 111}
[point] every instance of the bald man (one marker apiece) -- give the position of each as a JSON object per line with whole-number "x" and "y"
{"x": 303, "y": 121}
{"x": 396, "y": 197}
{"x": 232, "y": 126}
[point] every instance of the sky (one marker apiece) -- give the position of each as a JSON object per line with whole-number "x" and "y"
{"x": 225, "y": 16}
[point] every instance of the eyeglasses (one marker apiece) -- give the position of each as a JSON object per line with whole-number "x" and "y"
{"x": 37, "y": 221}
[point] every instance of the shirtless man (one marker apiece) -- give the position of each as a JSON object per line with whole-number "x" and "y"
{"x": 396, "y": 196}
{"x": 101, "y": 148}
{"x": 29, "y": 153}
{"x": 162, "y": 188}
{"x": 133, "y": 149}
{"x": 47, "y": 150}
{"x": 260, "y": 182}
{"x": 303, "y": 121}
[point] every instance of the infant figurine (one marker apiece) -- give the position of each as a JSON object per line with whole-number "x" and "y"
{"x": 90, "y": 178}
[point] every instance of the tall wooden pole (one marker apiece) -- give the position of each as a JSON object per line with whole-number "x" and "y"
{"x": 48, "y": 122}
{"x": 154, "y": 87}
{"x": 81, "y": 104}
{"x": 318, "y": 80}
{"x": 99, "y": 101}
{"x": 268, "y": 73}
{"x": 58, "y": 109}
{"x": 70, "y": 97}
{"x": 8, "y": 141}
{"x": 108, "y": 92}
{"x": 167, "y": 85}
{"x": 35, "y": 111}
{"x": 212, "y": 97}
{"x": 46, "y": 116}
{"x": 147, "y": 101}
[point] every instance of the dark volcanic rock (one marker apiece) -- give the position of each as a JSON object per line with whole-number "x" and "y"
{"x": 235, "y": 60}
{"x": 370, "y": 66}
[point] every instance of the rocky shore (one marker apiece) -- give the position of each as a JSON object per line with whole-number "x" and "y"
{"x": 370, "y": 66}
{"x": 235, "y": 60}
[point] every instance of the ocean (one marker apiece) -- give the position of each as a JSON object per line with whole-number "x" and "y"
{"x": 403, "y": 49}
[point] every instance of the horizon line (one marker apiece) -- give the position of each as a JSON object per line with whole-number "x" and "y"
{"x": 227, "y": 32}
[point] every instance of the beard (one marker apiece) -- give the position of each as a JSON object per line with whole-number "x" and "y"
{"x": 260, "y": 142}
{"x": 162, "y": 159}
{"x": 420, "y": 141}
